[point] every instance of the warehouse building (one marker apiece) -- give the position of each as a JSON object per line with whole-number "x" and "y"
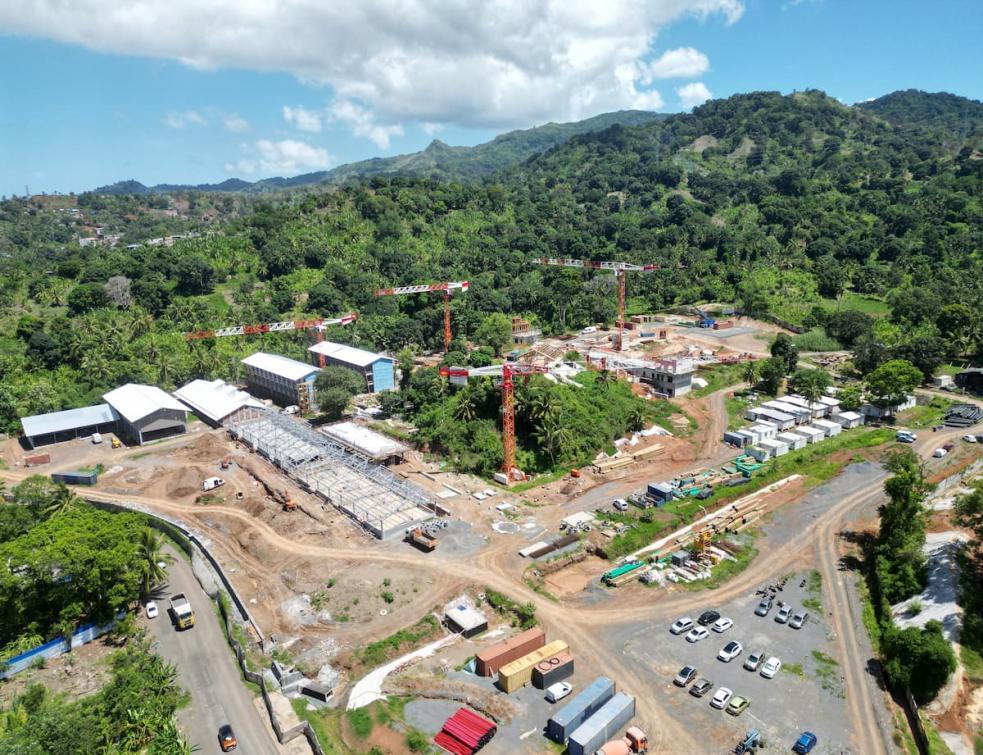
{"x": 214, "y": 400}
{"x": 147, "y": 413}
{"x": 378, "y": 370}
{"x": 57, "y": 427}
{"x": 286, "y": 381}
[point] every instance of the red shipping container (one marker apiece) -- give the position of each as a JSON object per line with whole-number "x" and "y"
{"x": 36, "y": 459}
{"x": 490, "y": 660}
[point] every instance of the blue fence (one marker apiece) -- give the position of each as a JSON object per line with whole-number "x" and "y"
{"x": 54, "y": 648}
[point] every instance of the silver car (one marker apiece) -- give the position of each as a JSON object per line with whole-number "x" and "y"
{"x": 800, "y": 618}
{"x": 783, "y": 613}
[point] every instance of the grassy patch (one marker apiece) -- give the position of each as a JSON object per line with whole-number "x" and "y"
{"x": 535, "y": 482}
{"x": 868, "y": 616}
{"x": 540, "y": 587}
{"x": 902, "y": 736}
{"x": 936, "y": 745}
{"x": 326, "y": 726}
{"x": 814, "y": 587}
{"x": 972, "y": 663}
{"x": 361, "y": 722}
{"x": 816, "y": 340}
{"x": 827, "y": 671}
{"x": 720, "y": 376}
{"x": 870, "y": 305}
{"x": 725, "y": 570}
{"x": 925, "y": 415}
{"x": 377, "y": 652}
{"x": 522, "y": 615}
{"x": 736, "y": 407}
{"x": 795, "y": 669}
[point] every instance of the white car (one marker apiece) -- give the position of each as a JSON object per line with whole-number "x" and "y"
{"x": 772, "y": 666}
{"x": 722, "y": 624}
{"x": 730, "y": 651}
{"x": 621, "y": 504}
{"x": 681, "y": 625}
{"x": 556, "y": 692}
{"x": 696, "y": 634}
{"x": 96, "y": 437}
{"x": 151, "y": 609}
{"x": 721, "y": 697}
{"x": 938, "y": 453}
{"x": 969, "y": 438}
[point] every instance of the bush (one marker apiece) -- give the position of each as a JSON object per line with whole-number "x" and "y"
{"x": 417, "y": 741}
{"x": 361, "y": 722}
{"x": 816, "y": 340}
{"x": 919, "y": 659}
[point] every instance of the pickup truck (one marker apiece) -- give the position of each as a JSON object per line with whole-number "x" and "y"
{"x": 184, "y": 616}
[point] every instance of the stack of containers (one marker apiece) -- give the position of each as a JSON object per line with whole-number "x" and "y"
{"x": 562, "y": 724}
{"x": 490, "y": 660}
{"x": 518, "y": 673}
{"x": 602, "y": 726}
{"x": 465, "y": 732}
{"x": 556, "y": 669}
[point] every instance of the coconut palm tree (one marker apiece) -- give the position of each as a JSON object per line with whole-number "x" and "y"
{"x": 751, "y": 373}
{"x": 151, "y": 554}
{"x": 551, "y": 435}
{"x": 61, "y": 501}
{"x": 467, "y": 406}
{"x": 96, "y": 367}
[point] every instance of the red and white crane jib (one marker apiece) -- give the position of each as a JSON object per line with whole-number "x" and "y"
{"x": 273, "y": 327}
{"x": 425, "y": 288}
{"x": 618, "y": 267}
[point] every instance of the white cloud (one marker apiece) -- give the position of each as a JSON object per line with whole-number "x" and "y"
{"x": 286, "y": 157}
{"x": 431, "y": 129}
{"x": 496, "y": 64}
{"x": 681, "y": 63}
{"x": 234, "y": 123}
{"x": 691, "y": 95}
{"x": 184, "y": 119}
{"x": 363, "y": 122}
{"x": 302, "y": 118}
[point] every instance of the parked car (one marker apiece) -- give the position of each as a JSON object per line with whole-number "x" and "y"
{"x": 292, "y": 409}
{"x": 621, "y": 504}
{"x": 783, "y": 613}
{"x": 800, "y": 618}
{"x": 764, "y": 606}
{"x": 708, "y": 617}
{"x": 701, "y": 687}
{"x": 681, "y": 625}
{"x": 704, "y": 494}
{"x": 979, "y": 438}
{"x": 721, "y": 698}
{"x": 722, "y": 624}
{"x": 730, "y": 651}
{"x": 938, "y": 453}
{"x": 771, "y": 667}
{"x": 96, "y": 437}
{"x": 227, "y": 738}
{"x": 754, "y": 660}
{"x": 969, "y": 438}
{"x": 556, "y": 692}
{"x": 738, "y": 705}
{"x": 685, "y": 676}
{"x": 152, "y": 610}
{"x": 903, "y": 436}
{"x": 696, "y": 634}
{"x": 804, "y": 744}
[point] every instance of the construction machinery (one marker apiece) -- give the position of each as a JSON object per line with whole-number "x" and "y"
{"x": 446, "y": 287}
{"x": 317, "y": 326}
{"x": 507, "y": 372}
{"x": 285, "y": 500}
{"x": 421, "y": 539}
{"x": 211, "y": 483}
{"x": 116, "y": 442}
{"x": 751, "y": 742}
{"x": 226, "y": 462}
{"x": 184, "y": 616}
{"x": 620, "y": 270}
{"x": 634, "y": 742}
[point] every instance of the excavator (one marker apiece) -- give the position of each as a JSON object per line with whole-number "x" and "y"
{"x": 286, "y": 502}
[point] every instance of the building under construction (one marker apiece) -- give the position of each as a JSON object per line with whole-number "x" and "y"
{"x": 381, "y": 502}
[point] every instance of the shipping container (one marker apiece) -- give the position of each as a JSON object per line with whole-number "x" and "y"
{"x": 518, "y": 673}
{"x": 602, "y": 726}
{"x": 36, "y": 460}
{"x": 76, "y": 478}
{"x": 556, "y": 669}
{"x": 491, "y": 659}
{"x": 565, "y": 721}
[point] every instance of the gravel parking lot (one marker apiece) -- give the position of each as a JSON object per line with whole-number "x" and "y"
{"x": 807, "y": 694}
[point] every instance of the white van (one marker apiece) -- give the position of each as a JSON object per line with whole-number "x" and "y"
{"x": 556, "y": 692}
{"x": 588, "y": 330}
{"x": 904, "y": 436}
{"x": 96, "y": 437}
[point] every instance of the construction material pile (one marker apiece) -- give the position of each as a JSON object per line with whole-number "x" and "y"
{"x": 465, "y": 733}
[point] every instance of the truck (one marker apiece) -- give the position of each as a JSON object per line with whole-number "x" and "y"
{"x": 635, "y": 741}
{"x": 184, "y": 617}
{"x": 211, "y": 483}
{"x": 422, "y": 540}
{"x": 285, "y": 500}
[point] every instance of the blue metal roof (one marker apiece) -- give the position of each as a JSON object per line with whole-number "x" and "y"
{"x": 70, "y": 419}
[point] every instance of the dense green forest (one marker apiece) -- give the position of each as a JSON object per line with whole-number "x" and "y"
{"x": 795, "y": 206}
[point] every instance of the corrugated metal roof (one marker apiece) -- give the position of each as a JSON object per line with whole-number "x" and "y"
{"x": 348, "y": 354}
{"x": 134, "y": 401}
{"x": 285, "y": 367}
{"x": 214, "y": 399}
{"x": 70, "y": 419}
{"x": 362, "y": 439}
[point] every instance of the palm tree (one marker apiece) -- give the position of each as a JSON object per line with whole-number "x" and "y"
{"x": 61, "y": 501}
{"x": 165, "y": 364}
{"x": 96, "y": 367}
{"x": 551, "y": 435}
{"x": 467, "y": 407}
{"x": 751, "y": 373}
{"x": 151, "y": 555}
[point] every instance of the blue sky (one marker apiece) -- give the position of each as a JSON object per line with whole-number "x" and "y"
{"x": 202, "y": 90}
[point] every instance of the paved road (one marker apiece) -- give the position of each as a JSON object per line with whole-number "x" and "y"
{"x": 207, "y": 669}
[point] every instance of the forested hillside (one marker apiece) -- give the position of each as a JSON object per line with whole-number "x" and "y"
{"x": 795, "y": 205}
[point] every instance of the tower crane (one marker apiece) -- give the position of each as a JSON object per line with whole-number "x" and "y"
{"x": 620, "y": 269}
{"x": 317, "y": 325}
{"x": 507, "y": 372}
{"x": 445, "y": 287}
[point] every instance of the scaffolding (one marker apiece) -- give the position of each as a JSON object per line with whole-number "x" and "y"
{"x": 374, "y": 497}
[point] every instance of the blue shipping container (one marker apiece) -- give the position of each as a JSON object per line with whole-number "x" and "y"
{"x": 578, "y": 710}
{"x": 76, "y": 478}
{"x": 602, "y": 726}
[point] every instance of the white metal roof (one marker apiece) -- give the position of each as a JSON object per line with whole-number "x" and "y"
{"x": 464, "y": 614}
{"x": 348, "y": 354}
{"x": 808, "y": 430}
{"x": 829, "y": 401}
{"x": 581, "y": 517}
{"x": 362, "y": 439}
{"x": 70, "y": 419}
{"x": 285, "y": 367}
{"x": 772, "y": 443}
{"x": 786, "y": 406}
{"x": 825, "y": 423}
{"x": 851, "y": 416}
{"x": 214, "y": 399}
{"x": 772, "y": 413}
{"x": 135, "y": 401}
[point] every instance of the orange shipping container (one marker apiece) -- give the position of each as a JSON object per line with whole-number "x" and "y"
{"x": 490, "y": 660}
